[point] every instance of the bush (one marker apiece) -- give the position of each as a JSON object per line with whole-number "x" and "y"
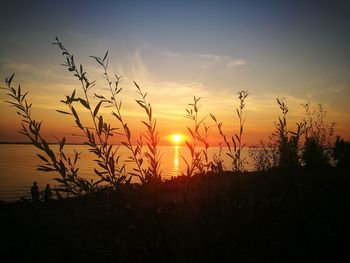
{"x": 318, "y": 137}
{"x": 341, "y": 152}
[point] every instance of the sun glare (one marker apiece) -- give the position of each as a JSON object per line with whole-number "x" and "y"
{"x": 176, "y": 138}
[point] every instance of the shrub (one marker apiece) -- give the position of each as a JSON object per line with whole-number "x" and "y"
{"x": 341, "y": 152}
{"x": 282, "y": 147}
{"x": 264, "y": 155}
{"x": 318, "y": 137}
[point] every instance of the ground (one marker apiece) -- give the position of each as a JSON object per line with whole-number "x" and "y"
{"x": 298, "y": 215}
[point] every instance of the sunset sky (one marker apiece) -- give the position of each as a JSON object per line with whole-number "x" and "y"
{"x": 297, "y": 50}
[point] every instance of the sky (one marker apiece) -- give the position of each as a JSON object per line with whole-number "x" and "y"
{"x": 297, "y": 51}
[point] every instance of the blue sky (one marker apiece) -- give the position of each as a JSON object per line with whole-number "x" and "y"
{"x": 298, "y": 50}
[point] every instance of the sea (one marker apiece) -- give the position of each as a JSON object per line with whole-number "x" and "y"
{"x": 19, "y": 163}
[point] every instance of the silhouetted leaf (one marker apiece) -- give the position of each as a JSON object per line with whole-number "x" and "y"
{"x": 64, "y": 112}
{"x": 84, "y": 103}
{"x": 42, "y": 158}
{"x": 62, "y": 143}
{"x": 75, "y": 113}
{"x": 97, "y": 108}
{"x": 104, "y": 58}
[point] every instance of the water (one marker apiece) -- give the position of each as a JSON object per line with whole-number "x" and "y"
{"x": 18, "y": 166}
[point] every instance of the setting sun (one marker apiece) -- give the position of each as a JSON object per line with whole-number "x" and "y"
{"x": 177, "y": 138}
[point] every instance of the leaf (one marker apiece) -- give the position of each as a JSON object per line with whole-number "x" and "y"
{"x": 100, "y": 124}
{"x": 9, "y": 80}
{"x": 62, "y": 143}
{"x": 127, "y": 131}
{"x": 79, "y": 124}
{"x": 97, "y": 108}
{"x": 84, "y": 103}
{"x": 104, "y": 58}
{"x": 146, "y": 124}
{"x": 97, "y": 59}
{"x": 238, "y": 114}
{"x": 137, "y": 86}
{"x": 191, "y": 132}
{"x": 75, "y": 113}
{"x": 64, "y": 112}
{"x": 42, "y": 158}
{"x": 99, "y": 96}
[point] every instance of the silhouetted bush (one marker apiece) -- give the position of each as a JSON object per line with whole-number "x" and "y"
{"x": 341, "y": 152}
{"x": 318, "y": 137}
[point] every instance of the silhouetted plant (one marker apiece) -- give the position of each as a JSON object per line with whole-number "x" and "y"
{"x": 103, "y": 150}
{"x": 264, "y": 155}
{"x": 206, "y": 164}
{"x": 151, "y": 136}
{"x": 59, "y": 162}
{"x": 287, "y": 140}
{"x": 217, "y": 165}
{"x": 153, "y": 172}
{"x": 318, "y": 137}
{"x": 194, "y": 166}
{"x": 341, "y": 152}
{"x": 237, "y": 139}
{"x": 98, "y": 136}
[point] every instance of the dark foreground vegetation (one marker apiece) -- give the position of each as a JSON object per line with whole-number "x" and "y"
{"x": 293, "y": 215}
{"x": 292, "y": 209}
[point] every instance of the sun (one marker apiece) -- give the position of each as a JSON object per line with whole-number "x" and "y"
{"x": 176, "y": 138}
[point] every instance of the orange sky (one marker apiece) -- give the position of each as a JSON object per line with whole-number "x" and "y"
{"x": 175, "y": 51}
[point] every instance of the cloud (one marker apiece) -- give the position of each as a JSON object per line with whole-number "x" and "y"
{"x": 236, "y": 63}
{"x": 209, "y": 59}
{"x": 170, "y": 54}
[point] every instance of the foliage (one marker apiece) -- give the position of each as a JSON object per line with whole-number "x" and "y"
{"x": 195, "y": 164}
{"x": 287, "y": 140}
{"x": 265, "y": 155}
{"x": 53, "y": 162}
{"x": 152, "y": 135}
{"x": 110, "y": 171}
{"x": 97, "y": 137}
{"x": 341, "y": 152}
{"x": 153, "y": 172}
{"x": 318, "y": 137}
{"x": 282, "y": 147}
{"x": 281, "y": 150}
{"x": 237, "y": 139}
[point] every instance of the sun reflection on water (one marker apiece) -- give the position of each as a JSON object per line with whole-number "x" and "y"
{"x": 176, "y": 168}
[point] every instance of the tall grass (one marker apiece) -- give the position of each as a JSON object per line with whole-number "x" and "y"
{"x": 66, "y": 167}
{"x": 194, "y": 164}
{"x": 152, "y": 135}
{"x": 111, "y": 172}
{"x": 235, "y": 149}
{"x": 288, "y": 141}
{"x": 97, "y": 137}
{"x": 281, "y": 150}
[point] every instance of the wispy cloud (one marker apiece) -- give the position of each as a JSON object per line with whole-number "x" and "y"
{"x": 236, "y": 63}
{"x": 209, "y": 59}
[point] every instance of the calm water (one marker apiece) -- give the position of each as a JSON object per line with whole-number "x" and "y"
{"x": 18, "y": 166}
